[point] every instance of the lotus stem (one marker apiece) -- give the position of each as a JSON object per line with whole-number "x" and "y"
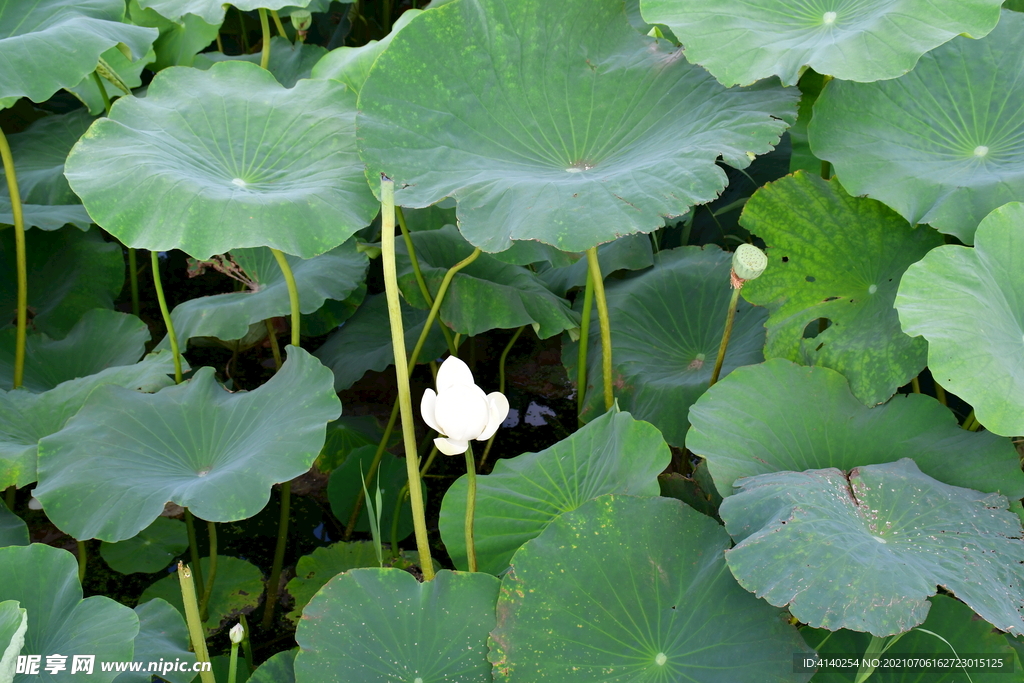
{"x": 274, "y": 347}
{"x": 233, "y": 663}
{"x": 470, "y": 508}
{"x": 220, "y": 44}
{"x": 418, "y": 273}
{"x": 83, "y": 560}
{"x": 501, "y": 389}
{"x": 246, "y": 643}
{"x": 245, "y": 35}
{"x": 915, "y": 385}
{"x": 193, "y": 549}
{"x": 438, "y": 300}
{"x": 103, "y": 91}
{"x": 584, "y": 341}
{"x": 387, "y": 196}
{"x": 265, "y": 27}
{"x": 726, "y": 333}
{"x": 940, "y": 393}
{"x": 22, "y": 262}
{"x": 293, "y": 295}
{"x": 204, "y": 605}
{"x": 277, "y": 23}
{"x": 195, "y": 624}
{"x": 168, "y": 323}
{"x": 133, "y": 280}
{"x": 594, "y": 266}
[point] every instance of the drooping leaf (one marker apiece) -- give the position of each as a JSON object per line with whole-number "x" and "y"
{"x": 865, "y": 550}
{"x": 382, "y": 625}
{"x": 278, "y": 669}
{"x": 943, "y": 144}
{"x": 813, "y": 421}
{"x": 837, "y": 257}
{"x": 13, "y": 626}
{"x": 351, "y": 65}
{"x": 46, "y": 217}
{"x": 485, "y": 295}
{"x": 112, "y": 468}
{"x": 216, "y": 160}
{"x": 45, "y": 581}
{"x": 345, "y": 487}
{"x": 13, "y": 530}
{"x": 46, "y": 45}
{"x": 632, "y": 252}
{"x": 179, "y": 40}
{"x": 523, "y": 495}
{"x": 592, "y": 133}
{"x": 151, "y": 550}
{"x": 212, "y": 11}
{"x": 162, "y": 635}
{"x": 634, "y": 589}
{"x": 860, "y": 40}
{"x": 288, "y": 62}
{"x": 125, "y": 70}
{"x": 969, "y": 305}
{"x": 666, "y": 327}
{"x": 801, "y": 158}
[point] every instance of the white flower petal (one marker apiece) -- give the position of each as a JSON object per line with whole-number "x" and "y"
{"x": 427, "y": 409}
{"x": 451, "y": 446}
{"x": 461, "y": 412}
{"x": 453, "y": 372}
{"x": 497, "y": 409}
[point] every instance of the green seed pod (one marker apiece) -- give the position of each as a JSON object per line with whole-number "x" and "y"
{"x": 748, "y": 262}
{"x": 301, "y": 19}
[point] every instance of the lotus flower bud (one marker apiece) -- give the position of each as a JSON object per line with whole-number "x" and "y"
{"x": 236, "y": 634}
{"x": 748, "y": 262}
{"x": 301, "y": 20}
{"x": 460, "y": 410}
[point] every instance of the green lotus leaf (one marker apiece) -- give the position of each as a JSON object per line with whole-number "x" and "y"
{"x": 112, "y": 468}
{"x": 46, "y": 45}
{"x": 667, "y": 326}
{"x": 25, "y": 417}
{"x": 69, "y": 273}
{"x": 837, "y": 257}
{"x": 969, "y": 305}
{"x": 332, "y": 314}
{"x": 129, "y": 72}
{"x": 351, "y": 65}
{"x": 635, "y": 589}
{"x": 346, "y": 485}
{"x": 364, "y": 342}
{"x": 216, "y": 160}
{"x": 593, "y": 133}
{"x": 948, "y": 618}
{"x": 865, "y": 550}
{"x": 46, "y": 217}
{"x": 288, "y": 62}
{"x": 237, "y": 589}
{"x": 346, "y": 434}
{"x": 333, "y": 275}
{"x": 632, "y": 252}
{"x": 801, "y": 157}
{"x": 280, "y": 668}
{"x": 523, "y": 495}
{"x": 769, "y": 417}
{"x": 382, "y": 625}
{"x": 863, "y": 40}
{"x": 212, "y": 11}
{"x": 943, "y": 144}
{"x": 45, "y": 581}
{"x": 162, "y": 635}
{"x": 485, "y": 295}
{"x": 149, "y": 551}
{"x": 13, "y": 530}
{"x": 179, "y": 40}
{"x": 13, "y": 626}
{"x": 101, "y": 339}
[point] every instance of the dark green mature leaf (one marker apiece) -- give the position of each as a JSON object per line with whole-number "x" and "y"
{"x": 216, "y": 160}
{"x": 179, "y": 40}
{"x": 485, "y": 295}
{"x": 39, "y": 153}
{"x": 382, "y": 625}
{"x": 46, "y": 217}
{"x": 45, "y": 581}
{"x": 860, "y": 40}
{"x": 278, "y": 669}
{"x": 969, "y": 305}
{"x": 667, "y": 326}
{"x": 813, "y": 421}
{"x": 69, "y": 273}
{"x": 632, "y": 252}
{"x": 149, "y": 551}
{"x": 346, "y": 434}
{"x": 837, "y": 257}
{"x": 592, "y": 133}
{"x": 346, "y": 486}
{"x": 288, "y": 62}
{"x": 865, "y": 550}
{"x": 212, "y": 11}
{"x": 351, "y": 65}
{"x": 112, "y": 468}
{"x": 943, "y": 144}
{"x": 523, "y": 495}
{"x": 162, "y": 635}
{"x": 13, "y": 530}
{"x": 801, "y": 157}
{"x": 635, "y": 589}
{"x": 46, "y": 45}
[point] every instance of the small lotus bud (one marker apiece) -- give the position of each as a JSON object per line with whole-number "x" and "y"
{"x": 236, "y": 634}
{"x": 748, "y": 262}
{"x": 301, "y": 20}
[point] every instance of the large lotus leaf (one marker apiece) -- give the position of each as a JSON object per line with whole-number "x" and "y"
{"x": 364, "y": 342}
{"x": 857, "y": 40}
{"x": 179, "y": 40}
{"x": 215, "y": 160}
{"x": 69, "y": 273}
{"x": 288, "y": 62}
{"x": 334, "y": 275}
{"x": 779, "y": 416}
{"x": 346, "y": 486}
{"x": 46, "y": 45}
{"x": 838, "y": 257}
{"x": 45, "y": 581}
{"x": 212, "y": 11}
{"x": 865, "y": 550}
{"x": 112, "y": 468}
{"x": 351, "y": 65}
{"x": 39, "y": 153}
{"x": 149, "y": 551}
{"x": 635, "y": 589}
{"x": 237, "y": 589}
{"x": 592, "y": 133}
{"x": 280, "y": 668}
{"x": 666, "y": 327}
{"x": 13, "y": 626}
{"x": 13, "y": 530}
{"x": 523, "y": 495}
{"x": 382, "y": 625}
{"x": 485, "y": 295}
{"x": 632, "y": 252}
{"x": 25, "y": 418}
{"x": 46, "y": 217}
{"x": 969, "y": 305}
{"x": 949, "y": 619}
{"x": 101, "y": 339}
{"x": 162, "y": 635}
{"x": 346, "y": 434}
{"x": 942, "y": 145}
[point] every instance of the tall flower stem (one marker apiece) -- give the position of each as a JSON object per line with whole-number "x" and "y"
{"x": 154, "y": 258}
{"x": 265, "y": 27}
{"x": 594, "y": 266}
{"x": 470, "y": 507}
{"x": 204, "y": 605}
{"x": 501, "y": 389}
{"x": 83, "y": 561}
{"x": 20, "y": 257}
{"x": 195, "y": 624}
{"x": 387, "y": 198}
{"x": 193, "y": 547}
{"x": 726, "y": 333}
{"x": 133, "y": 279}
{"x": 277, "y": 22}
{"x": 418, "y": 273}
{"x": 581, "y": 360}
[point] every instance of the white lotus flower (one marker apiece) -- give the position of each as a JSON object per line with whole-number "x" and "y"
{"x": 237, "y": 633}
{"x": 460, "y": 410}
